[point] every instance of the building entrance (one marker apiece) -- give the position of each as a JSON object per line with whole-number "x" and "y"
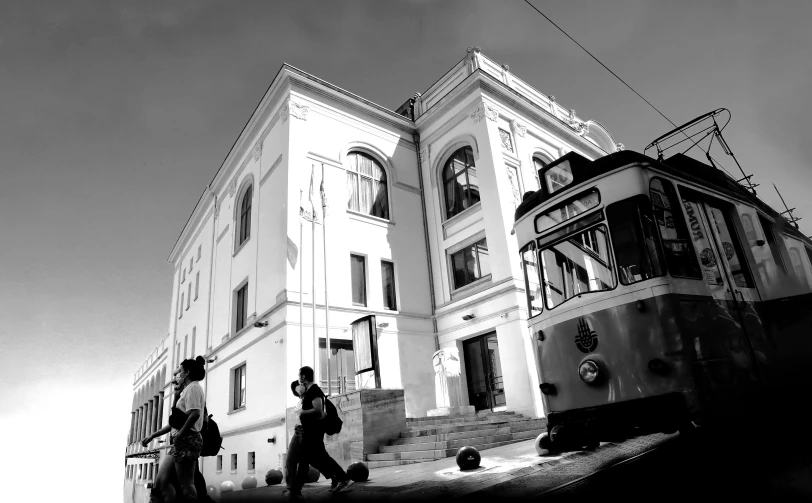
{"x": 483, "y": 368}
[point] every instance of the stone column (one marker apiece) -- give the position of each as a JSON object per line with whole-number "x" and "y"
{"x": 150, "y": 416}
{"x": 448, "y": 384}
{"x": 144, "y": 421}
{"x": 138, "y": 426}
{"x": 130, "y": 438}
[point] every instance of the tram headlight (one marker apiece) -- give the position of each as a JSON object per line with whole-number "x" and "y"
{"x": 589, "y": 371}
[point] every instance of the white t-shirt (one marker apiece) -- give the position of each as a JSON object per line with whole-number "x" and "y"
{"x": 191, "y": 398}
{"x": 297, "y": 419}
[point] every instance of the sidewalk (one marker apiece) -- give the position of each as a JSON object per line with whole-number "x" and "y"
{"x": 516, "y": 465}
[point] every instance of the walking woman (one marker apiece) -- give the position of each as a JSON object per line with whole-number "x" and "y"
{"x": 185, "y": 432}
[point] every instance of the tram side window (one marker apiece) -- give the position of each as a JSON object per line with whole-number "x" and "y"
{"x": 577, "y": 265}
{"x": 768, "y": 233}
{"x": 532, "y": 279}
{"x": 677, "y": 246}
{"x": 634, "y": 240}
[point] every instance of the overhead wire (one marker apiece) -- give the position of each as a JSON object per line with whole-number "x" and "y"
{"x": 620, "y": 79}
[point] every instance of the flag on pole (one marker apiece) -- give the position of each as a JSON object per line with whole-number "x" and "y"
{"x": 312, "y": 178}
{"x": 323, "y": 198}
{"x": 293, "y": 253}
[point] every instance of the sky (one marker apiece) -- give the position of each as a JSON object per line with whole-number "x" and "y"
{"x": 115, "y": 115}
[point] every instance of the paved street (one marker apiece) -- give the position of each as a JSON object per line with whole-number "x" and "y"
{"x": 709, "y": 463}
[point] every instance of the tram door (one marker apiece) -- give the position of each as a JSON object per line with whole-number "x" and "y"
{"x": 725, "y": 352}
{"x": 483, "y": 366}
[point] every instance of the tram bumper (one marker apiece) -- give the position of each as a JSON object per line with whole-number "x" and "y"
{"x": 613, "y": 421}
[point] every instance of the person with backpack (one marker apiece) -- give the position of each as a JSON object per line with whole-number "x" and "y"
{"x": 185, "y": 425}
{"x": 314, "y": 426}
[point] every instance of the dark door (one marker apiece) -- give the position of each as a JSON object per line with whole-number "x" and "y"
{"x": 483, "y": 368}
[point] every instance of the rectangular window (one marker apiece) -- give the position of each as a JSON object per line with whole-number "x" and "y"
{"x": 634, "y": 240}
{"x": 191, "y": 264}
{"x": 532, "y": 279}
{"x": 242, "y": 308}
{"x": 183, "y": 280}
{"x": 238, "y": 400}
{"x": 251, "y": 460}
{"x": 185, "y": 346}
{"x": 677, "y": 244}
{"x": 365, "y": 349}
{"x": 219, "y": 462}
{"x": 768, "y": 233}
{"x": 358, "y": 275}
{"x": 194, "y": 337}
{"x": 199, "y": 251}
{"x": 197, "y": 284}
{"x": 388, "y": 278}
{"x": 734, "y": 256}
{"x": 180, "y": 307}
{"x": 579, "y": 264}
{"x": 234, "y": 462}
{"x": 177, "y": 355}
{"x": 189, "y": 296}
{"x": 558, "y": 176}
{"x": 470, "y": 264}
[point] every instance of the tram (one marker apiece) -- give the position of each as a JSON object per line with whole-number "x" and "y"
{"x": 660, "y": 294}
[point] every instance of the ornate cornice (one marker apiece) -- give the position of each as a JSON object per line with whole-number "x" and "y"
{"x": 296, "y": 110}
{"x": 484, "y": 110}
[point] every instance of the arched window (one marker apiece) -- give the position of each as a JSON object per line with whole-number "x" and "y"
{"x": 366, "y": 186}
{"x": 460, "y": 182}
{"x": 539, "y": 163}
{"x": 245, "y": 216}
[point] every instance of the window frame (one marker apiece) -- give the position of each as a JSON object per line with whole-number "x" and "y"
{"x": 373, "y": 348}
{"x": 357, "y": 180}
{"x": 580, "y": 230}
{"x": 472, "y": 243}
{"x": 238, "y": 399}
{"x": 643, "y": 206}
{"x": 243, "y": 209}
{"x": 770, "y": 238}
{"x": 364, "y": 280}
{"x": 197, "y": 285}
{"x": 683, "y": 225}
{"x": 532, "y": 246}
{"x": 394, "y": 306}
{"x": 443, "y": 183}
{"x": 241, "y": 307}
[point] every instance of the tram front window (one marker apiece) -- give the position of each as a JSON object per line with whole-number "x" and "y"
{"x": 579, "y": 264}
{"x": 532, "y": 281}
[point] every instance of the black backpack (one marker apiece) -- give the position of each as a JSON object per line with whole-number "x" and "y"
{"x": 212, "y": 441}
{"x": 332, "y": 423}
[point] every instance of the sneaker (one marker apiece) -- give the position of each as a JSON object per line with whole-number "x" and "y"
{"x": 342, "y": 485}
{"x": 294, "y": 495}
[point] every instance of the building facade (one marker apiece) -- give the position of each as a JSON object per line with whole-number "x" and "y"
{"x": 418, "y": 256}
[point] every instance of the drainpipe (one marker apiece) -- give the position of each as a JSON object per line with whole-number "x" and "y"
{"x": 416, "y": 138}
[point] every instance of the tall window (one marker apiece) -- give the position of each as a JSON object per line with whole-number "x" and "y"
{"x": 238, "y": 395}
{"x": 634, "y": 237}
{"x": 539, "y": 164}
{"x": 194, "y": 338}
{"x": 197, "y": 284}
{"x": 245, "y": 215}
{"x": 768, "y": 233}
{"x": 358, "y": 275}
{"x": 181, "y": 305}
{"x": 366, "y": 186}
{"x": 388, "y": 278}
{"x": 189, "y": 296}
{"x": 199, "y": 251}
{"x": 365, "y": 348}
{"x": 677, "y": 244}
{"x": 532, "y": 279}
{"x": 470, "y": 264}
{"x": 460, "y": 182}
{"x": 185, "y": 346}
{"x": 242, "y": 308}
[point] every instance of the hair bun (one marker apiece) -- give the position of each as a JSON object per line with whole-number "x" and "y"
{"x": 201, "y": 361}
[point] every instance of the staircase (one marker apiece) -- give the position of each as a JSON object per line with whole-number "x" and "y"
{"x": 430, "y": 438}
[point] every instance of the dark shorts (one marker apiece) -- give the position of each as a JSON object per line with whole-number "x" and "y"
{"x": 187, "y": 447}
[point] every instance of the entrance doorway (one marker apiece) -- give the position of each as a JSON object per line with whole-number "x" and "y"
{"x": 342, "y": 366}
{"x": 483, "y": 367}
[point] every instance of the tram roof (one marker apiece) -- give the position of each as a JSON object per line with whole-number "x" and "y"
{"x": 679, "y": 165}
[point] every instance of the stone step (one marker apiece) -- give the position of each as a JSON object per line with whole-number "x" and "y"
{"x": 459, "y": 421}
{"x": 456, "y": 418}
{"x": 475, "y": 437}
{"x": 384, "y": 464}
{"x": 434, "y": 454}
{"x": 452, "y": 428}
{"x": 469, "y": 433}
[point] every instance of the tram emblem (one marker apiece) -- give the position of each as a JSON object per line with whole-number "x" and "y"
{"x": 587, "y": 339}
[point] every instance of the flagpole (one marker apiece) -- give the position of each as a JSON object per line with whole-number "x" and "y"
{"x": 326, "y": 304}
{"x": 301, "y": 285}
{"x": 313, "y": 251}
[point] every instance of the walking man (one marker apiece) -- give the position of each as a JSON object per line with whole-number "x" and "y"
{"x": 312, "y": 451}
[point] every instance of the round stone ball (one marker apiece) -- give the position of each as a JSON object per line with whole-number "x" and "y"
{"x": 468, "y": 458}
{"x": 249, "y": 482}
{"x": 273, "y": 477}
{"x": 226, "y": 486}
{"x": 543, "y": 444}
{"x": 358, "y": 472}
{"x": 212, "y": 491}
{"x": 313, "y": 475}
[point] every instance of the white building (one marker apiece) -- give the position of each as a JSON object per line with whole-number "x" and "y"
{"x": 419, "y": 216}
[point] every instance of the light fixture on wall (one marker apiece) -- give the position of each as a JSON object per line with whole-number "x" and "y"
{"x": 383, "y": 324}
{"x": 467, "y": 317}
{"x": 212, "y": 360}
{"x": 261, "y": 324}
